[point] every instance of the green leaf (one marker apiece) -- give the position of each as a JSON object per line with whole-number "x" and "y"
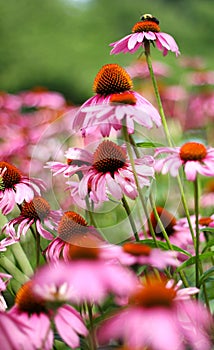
{"x": 209, "y": 244}
{"x": 206, "y": 275}
{"x": 149, "y": 144}
{"x": 191, "y": 260}
{"x": 210, "y": 229}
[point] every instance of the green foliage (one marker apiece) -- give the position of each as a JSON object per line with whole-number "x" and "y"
{"x": 61, "y": 44}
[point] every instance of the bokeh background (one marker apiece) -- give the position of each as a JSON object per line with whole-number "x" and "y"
{"x": 61, "y": 44}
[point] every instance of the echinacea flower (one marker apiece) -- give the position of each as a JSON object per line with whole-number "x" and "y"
{"x": 85, "y": 277}
{"x": 72, "y": 229}
{"x": 37, "y": 212}
{"x": 177, "y": 230}
{"x": 31, "y": 310}
{"x": 109, "y": 171}
{"x": 132, "y": 253}
{"x": 147, "y": 30}
{"x": 207, "y": 196}
{"x": 4, "y": 279}
{"x": 161, "y": 317}
{"x": 16, "y": 188}
{"x": 115, "y": 103}
{"x": 195, "y": 158}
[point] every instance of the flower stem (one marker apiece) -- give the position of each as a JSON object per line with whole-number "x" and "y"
{"x": 197, "y": 232}
{"x": 91, "y": 322}
{"x": 132, "y": 223}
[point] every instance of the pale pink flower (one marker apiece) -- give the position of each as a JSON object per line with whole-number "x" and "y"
{"x": 207, "y": 196}
{"x": 86, "y": 277}
{"x": 107, "y": 171}
{"x": 40, "y": 97}
{"x": 139, "y": 69}
{"x": 37, "y": 212}
{"x": 14, "y": 334}
{"x": 158, "y": 317}
{"x": 16, "y": 188}
{"x": 31, "y": 310}
{"x": 137, "y": 253}
{"x": 115, "y": 103}
{"x": 4, "y": 279}
{"x": 193, "y": 156}
{"x": 147, "y": 30}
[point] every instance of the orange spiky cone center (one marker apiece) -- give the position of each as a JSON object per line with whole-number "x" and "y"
{"x": 193, "y": 151}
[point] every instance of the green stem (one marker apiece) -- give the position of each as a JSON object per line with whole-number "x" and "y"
{"x": 22, "y": 259}
{"x": 132, "y": 223}
{"x": 166, "y": 130}
{"x": 38, "y": 248}
{"x": 92, "y": 332}
{"x": 197, "y": 232}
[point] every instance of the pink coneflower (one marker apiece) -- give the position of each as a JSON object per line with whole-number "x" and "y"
{"x": 177, "y": 230}
{"x": 131, "y": 253}
{"x": 40, "y": 97}
{"x": 4, "y": 279}
{"x": 109, "y": 171}
{"x": 207, "y": 196}
{"x": 194, "y": 156}
{"x": 16, "y": 188}
{"x": 160, "y": 317}
{"x": 114, "y": 103}
{"x": 37, "y": 212}
{"x": 86, "y": 277}
{"x": 72, "y": 229}
{"x": 147, "y": 30}
{"x": 32, "y": 310}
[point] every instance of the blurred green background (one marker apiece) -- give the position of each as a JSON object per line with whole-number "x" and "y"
{"x": 61, "y": 44}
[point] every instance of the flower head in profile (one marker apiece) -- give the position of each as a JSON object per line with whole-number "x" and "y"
{"x": 108, "y": 171}
{"x": 114, "y": 103}
{"x": 195, "y": 158}
{"x": 16, "y": 188}
{"x": 72, "y": 230}
{"x": 84, "y": 276}
{"x": 145, "y": 31}
{"x": 161, "y": 317}
{"x": 37, "y": 212}
{"x": 33, "y": 311}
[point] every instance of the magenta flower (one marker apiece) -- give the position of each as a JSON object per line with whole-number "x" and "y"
{"x": 72, "y": 229}
{"x": 161, "y": 318}
{"x": 16, "y": 188}
{"x": 193, "y": 156}
{"x": 37, "y": 212}
{"x": 147, "y": 30}
{"x": 109, "y": 171}
{"x": 115, "y": 103}
{"x": 32, "y": 311}
{"x": 86, "y": 277}
{"x": 137, "y": 253}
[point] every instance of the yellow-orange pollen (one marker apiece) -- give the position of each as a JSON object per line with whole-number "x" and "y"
{"x": 38, "y": 208}
{"x": 146, "y": 26}
{"x": 205, "y": 221}
{"x": 153, "y": 294}
{"x": 112, "y": 79}
{"x": 137, "y": 249}
{"x": 27, "y": 301}
{"x": 9, "y": 174}
{"x": 126, "y": 97}
{"x": 71, "y": 224}
{"x": 109, "y": 157}
{"x": 193, "y": 151}
{"x": 167, "y": 219}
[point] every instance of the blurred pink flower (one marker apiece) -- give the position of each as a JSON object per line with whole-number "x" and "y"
{"x": 195, "y": 158}
{"x": 16, "y": 188}
{"x": 4, "y": 279}
{"x": 113, "y": 103}
{"x": 86, "y": 277}
{"x": 107, "y": 171}
{"x": 160, "y": 317}
{"x": 131, "y": 253}
{"x": 147, "y": 30}
{"x": 31, "y": 310}
{"x": 207, "y": 196}
{"x": 139, "y": 69}
{"x": 36, "y": 212}
{"x": 40, "y": 97}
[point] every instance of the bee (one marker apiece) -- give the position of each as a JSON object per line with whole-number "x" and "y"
{"x": 148, "y": 17}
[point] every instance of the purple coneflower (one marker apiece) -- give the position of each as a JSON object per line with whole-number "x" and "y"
{"x": 16, "y": 188}
{"x": 32, "y": 311}
{"x": 37, "y": 212}
{"x": 161, "y": 317}
{"x": 194, "y": 156}
{"x": 147, "y": 30}
{"x": 114, "y": 103}
{"x": 108, "y": 171}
